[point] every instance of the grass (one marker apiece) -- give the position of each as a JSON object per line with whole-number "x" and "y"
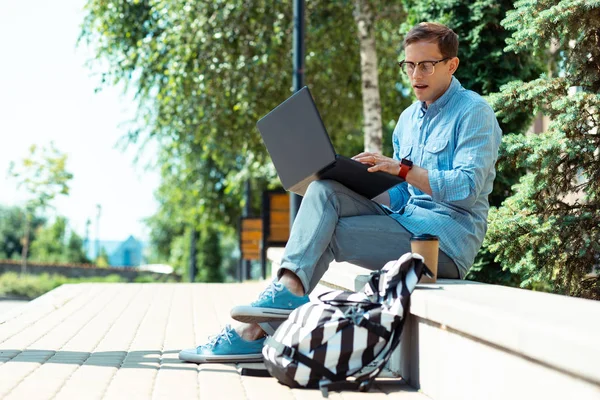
{"x": 32, "y": 286}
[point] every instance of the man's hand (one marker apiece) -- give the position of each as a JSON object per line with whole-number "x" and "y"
{"x": 417, "y": 176}
{"x": 377, "y": 162}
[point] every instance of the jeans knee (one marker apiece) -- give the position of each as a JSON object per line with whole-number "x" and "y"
{"x": 320, "y": 187}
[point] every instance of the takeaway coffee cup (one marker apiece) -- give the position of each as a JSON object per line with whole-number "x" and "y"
{"x": 427, "y": 246}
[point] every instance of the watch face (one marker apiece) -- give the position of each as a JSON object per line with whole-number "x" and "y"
{"x": 407, "y": 162}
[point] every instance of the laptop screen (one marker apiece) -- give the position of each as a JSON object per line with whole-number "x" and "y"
{"x": 296, "y": 138}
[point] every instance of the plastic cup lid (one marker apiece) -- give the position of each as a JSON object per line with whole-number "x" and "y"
{"x": 425, "y": 236}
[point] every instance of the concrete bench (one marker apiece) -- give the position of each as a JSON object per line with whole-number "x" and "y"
{"x": 468, "y": 340}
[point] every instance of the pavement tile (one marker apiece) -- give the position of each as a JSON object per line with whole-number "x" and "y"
{"x": 13, "y": 373}
{"x": 113, "y": 341}
{"x": 220, "y": 378}
{"x": 44, "y": 382}
{"x": 23, "y": 334}
{"x": 87, "y": 382}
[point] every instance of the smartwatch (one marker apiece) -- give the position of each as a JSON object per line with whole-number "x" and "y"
{"x": 405, "y": 166}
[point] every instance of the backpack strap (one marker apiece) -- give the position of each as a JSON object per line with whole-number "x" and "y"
{"x": 340, "y": 302}
{"x": 290, "y": 352}
{"x": 325, "y": 385}
{"x": 373, "y": 282}
{"x": 377, "y": 329}
{"x": 362, "y": 383}
{"x": 369, "y": 377}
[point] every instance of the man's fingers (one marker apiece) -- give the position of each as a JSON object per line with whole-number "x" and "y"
{"x": 362, "y": 155}
{"x": 367, "y": 154}
{"x": 365, "y": 160}
{"x": 384, "y": 167}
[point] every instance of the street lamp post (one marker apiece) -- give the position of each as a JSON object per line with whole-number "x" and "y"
{"x": 295, "y": 200}
{"x": 246, "y": 270}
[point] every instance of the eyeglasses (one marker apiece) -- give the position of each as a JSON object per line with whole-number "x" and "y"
{"x": 425, "y": 67}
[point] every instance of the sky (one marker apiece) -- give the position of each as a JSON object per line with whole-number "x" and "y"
{"x": 47, "y": 94}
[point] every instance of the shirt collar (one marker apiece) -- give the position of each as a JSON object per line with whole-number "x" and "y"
{"x": 422, "y": 109}
{"x": 443, "y": 100}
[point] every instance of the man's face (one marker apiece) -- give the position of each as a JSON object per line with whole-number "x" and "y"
{"x": 429, "y": 88}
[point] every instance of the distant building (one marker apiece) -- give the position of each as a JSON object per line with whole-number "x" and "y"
{"x": 127, "y": 253}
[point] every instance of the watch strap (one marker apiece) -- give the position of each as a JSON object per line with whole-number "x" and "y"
{"x": 405, "y": 166}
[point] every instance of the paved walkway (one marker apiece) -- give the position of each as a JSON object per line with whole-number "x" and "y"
{"x": 6, "y": 305}
{"x": 92, "y": 341}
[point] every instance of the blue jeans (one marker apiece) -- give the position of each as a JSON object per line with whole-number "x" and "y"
{"x": 334, "y": 222}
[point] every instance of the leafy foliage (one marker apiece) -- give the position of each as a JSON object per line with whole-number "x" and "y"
{"x": 549, "y": 230}
{"x": 205, "y": 72}
{"x": 52, "y": 245}
{"x": 74, "y": 249}
{"x": 12, "y": 231}
{"x": 209, "y": 256}
{"x": 102, "y": 261}
{"x": 31, "y": 286}
{"x": 43, "y": 175}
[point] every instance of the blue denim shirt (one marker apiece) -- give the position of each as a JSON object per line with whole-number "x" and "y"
{"x": 456, "y": 140}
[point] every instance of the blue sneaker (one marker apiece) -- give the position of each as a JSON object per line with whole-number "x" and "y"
{"x": 225, "y": 347}
{"x": 275, "y": 303}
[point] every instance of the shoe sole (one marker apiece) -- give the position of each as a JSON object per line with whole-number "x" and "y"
{"x": 251, "y": 314}
{"x": 191, "y": 356}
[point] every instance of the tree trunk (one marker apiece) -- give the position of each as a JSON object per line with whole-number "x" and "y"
{"x": 365, "y": 20}
{"x": 25, "y": 250}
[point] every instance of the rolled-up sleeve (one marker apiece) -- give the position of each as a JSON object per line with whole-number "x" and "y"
{"x": 475, "y": 155}
{"x": 399, "y": 196}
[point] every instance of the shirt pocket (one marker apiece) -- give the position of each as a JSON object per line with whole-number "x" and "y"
{"x": 437, "y": 155}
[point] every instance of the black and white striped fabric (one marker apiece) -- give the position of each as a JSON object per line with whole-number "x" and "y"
{"x": 323, "y": 343}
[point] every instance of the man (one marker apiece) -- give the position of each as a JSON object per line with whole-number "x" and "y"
{"x": 445, "y": 147}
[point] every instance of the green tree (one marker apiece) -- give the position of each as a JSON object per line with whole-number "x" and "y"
{"x": 209, "y": 256}
{"x": 548, "y": 231}
{"x": 179, "y": 253}
{"x": 205, "y": 72}
{"x": 102, "y": 261}
{"x": 43, "y": 176}
{"x": 12, "y": 231}
{"x": 51, "y": 244}
{"x": 75, "y": 252}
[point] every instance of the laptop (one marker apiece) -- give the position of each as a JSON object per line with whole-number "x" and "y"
{"x": 302, "y": 152}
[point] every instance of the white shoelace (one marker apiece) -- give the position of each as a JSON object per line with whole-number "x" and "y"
{"x": 226, "y": 333}
{"x": 271, "y": 290}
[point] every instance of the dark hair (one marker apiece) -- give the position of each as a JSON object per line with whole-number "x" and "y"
{"x": 433, "y": 32}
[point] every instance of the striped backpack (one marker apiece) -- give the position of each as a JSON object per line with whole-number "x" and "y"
{"x": 346, "y": 334}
